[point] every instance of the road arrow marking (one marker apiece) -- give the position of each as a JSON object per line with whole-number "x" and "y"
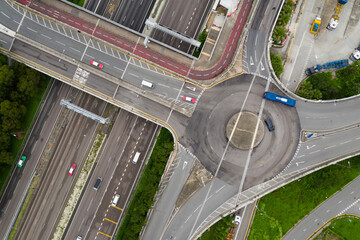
{"x": 262, "y": 66}
{"x": 185, "y": 163}
{"x": 191, "y": 88}
{"x": 251, "y": 61}
{"x": 310, "y": 147}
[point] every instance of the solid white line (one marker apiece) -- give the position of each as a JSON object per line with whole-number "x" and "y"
{"x": 5, "y": 14}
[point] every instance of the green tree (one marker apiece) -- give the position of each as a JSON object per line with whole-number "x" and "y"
{"x": 306, "y": 91}
{"x": 28, "y": 83}
{"x": 6, "y": 158}
{"x": 11, "y": 114}
{"x": 6, "y": 81}
{"x": 4, "y": 141}
{"x": 279, "y": 34}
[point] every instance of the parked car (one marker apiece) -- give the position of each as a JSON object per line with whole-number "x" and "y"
{"x": 72, "y": 169}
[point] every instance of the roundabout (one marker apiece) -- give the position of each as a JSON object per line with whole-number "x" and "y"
{"x": 209, "y": 129}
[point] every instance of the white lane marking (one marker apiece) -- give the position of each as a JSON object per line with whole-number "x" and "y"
{"x": 119, "y": 68}
{"x": 45, "y": 36}
{"x": 74, "y": 49}
{"x": 345, "y": 142}
{"x": 315, "y": 152}
{"x": 5, "y": 14}
{"x": 31, "y": 29}
{"x": 330, "y": 147}
{"x": 60, "y": 43}
{"x": 134, "y": 75}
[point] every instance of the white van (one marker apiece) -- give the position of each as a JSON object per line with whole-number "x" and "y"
{"x": 136, "y": 158}
{"x": 147, "y": 84}
{"x": 115, "y": 200}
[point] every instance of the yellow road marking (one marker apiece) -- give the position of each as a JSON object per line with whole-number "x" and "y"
{"x": 110, "y": 221}
{"x": 105, "y": 234}
{"x": 206, "y": 54}
{"x": 116, "y": 207}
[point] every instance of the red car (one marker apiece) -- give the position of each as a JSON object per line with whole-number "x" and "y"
{"x": 96, "y": 64}
{"x": 189, "y": 99}
{"x": 72, "y": 169}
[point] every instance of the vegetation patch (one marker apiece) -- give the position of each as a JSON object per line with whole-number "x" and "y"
{"x": 276, "y": 63}
{"x": 135, "y": 216}
{"x": 21, "y": 91}
{"x": 347, "y": 227}
{"x": 202, "y": 39}
{"x": 279, "y": 32}
{"x": 327, "y": 85}
{"x": 78, "y": 2}
{"x": 219, "y": 230}
{"x": 283, "y": 208}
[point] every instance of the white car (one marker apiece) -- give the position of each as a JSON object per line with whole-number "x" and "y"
{"x": 237, "y": 219}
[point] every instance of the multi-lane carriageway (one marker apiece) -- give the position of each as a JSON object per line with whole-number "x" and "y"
{"x": 139, "y": 50}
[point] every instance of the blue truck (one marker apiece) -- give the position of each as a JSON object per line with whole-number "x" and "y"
{"x": 329, "y": 65}
{"x": 281, "y": 99}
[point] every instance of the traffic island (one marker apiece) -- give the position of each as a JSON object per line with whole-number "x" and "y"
{"x": 245, "y": 129}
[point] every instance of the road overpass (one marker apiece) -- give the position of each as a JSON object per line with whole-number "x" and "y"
{"x": 239, "y": 176}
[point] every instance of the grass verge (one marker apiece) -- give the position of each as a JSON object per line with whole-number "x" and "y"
{"x": 135, "y": 216}
{"x": 219, "y": 230}
{"x": 24, "y": 207}
{"x": 282, "y": 209}
{"x": 347, "y": 227}
{"x": 78, "y": 2}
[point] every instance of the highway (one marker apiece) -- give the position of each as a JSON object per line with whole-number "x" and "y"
{"x": 72, "y": 146}
{"x": 94, "y": 215}
{"x": 188, "y": 21}
{"x": 145, "y": 53}
{"x": 346, "y": 201}
{"x": 18, "y": 183}
{"x": 133, "y": 14}
{"x": 240, "y": 176}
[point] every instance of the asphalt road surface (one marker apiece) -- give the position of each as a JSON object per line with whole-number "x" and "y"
{"x": 94, "y": 216}
{"x": 144, "y": 52}
{"x": 346, "y": 201}
{"x": 133, "y": 14}
{"x": 13, "y": 195}
{"x": 73, "y": 145}
{"x": 186, "y": 17}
